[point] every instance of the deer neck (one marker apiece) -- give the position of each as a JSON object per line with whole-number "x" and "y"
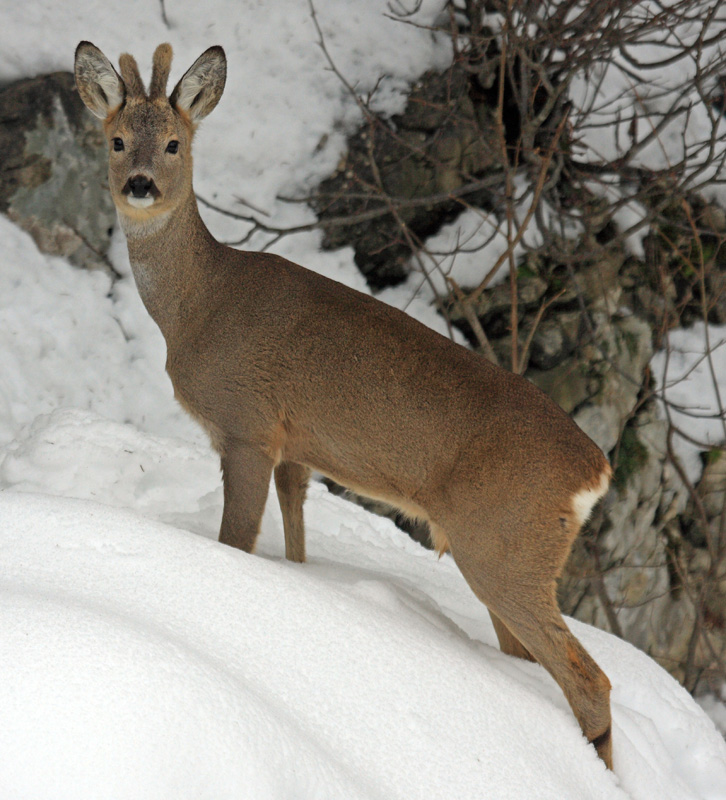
{"x": 167, "y": 258}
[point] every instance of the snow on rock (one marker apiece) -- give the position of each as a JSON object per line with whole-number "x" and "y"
{"x": 690, "y": 372}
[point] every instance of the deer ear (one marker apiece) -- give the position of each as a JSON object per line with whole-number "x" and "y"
{"x": 99, "y": 85}
{"x": 199, "y": 90}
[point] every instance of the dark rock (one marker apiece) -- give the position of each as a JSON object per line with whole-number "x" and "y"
{"x": 717, "y": 296}
{"x": 568, "y": 384}
{"x": 497, "y": 302}
{"x": 403, "y": 177}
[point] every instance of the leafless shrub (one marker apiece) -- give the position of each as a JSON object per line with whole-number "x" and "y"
{"x": 585, "y": 128}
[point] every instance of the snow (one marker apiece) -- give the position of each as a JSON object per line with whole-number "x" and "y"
{"x": 694, "y": 386}
{"x": 714, "y": 706}
{"x": 467, "y": 248}
{"x": 139, "y": 657}
{"x": 645, "y": 80}
{"x": 141, "y": 660}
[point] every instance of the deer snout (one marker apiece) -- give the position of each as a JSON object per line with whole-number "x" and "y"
{"x": 139, "y": 185}
{"x": 140, "y": 191}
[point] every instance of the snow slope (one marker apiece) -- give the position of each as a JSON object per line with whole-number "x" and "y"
{"x": 141, "y": 659}
{"x": 144, "y": 661}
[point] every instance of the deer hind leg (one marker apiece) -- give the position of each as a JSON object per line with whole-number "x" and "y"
{"x": 246, "y": 473}
{"x": 525, "y": 612}
{"x": 508, "y": 642}
{"x": 544, "y": 633}
{"x": 291, "y": 481}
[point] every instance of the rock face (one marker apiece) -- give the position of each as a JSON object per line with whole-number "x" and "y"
{"x": 53, "y": 169}
{"x": 422, "y": 159}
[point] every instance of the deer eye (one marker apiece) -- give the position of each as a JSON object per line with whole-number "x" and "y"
{"x": 118, "y": 144}
{"x": 173, "y": 146}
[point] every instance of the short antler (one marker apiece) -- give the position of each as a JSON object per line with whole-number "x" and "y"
{"x": 160, "y": 71}
{"x": 131, "y": 77}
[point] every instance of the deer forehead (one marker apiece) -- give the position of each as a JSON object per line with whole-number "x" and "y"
{"x": 148, "y": 121}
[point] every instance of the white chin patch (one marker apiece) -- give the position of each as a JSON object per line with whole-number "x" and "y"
{"x": 140, "y": 202}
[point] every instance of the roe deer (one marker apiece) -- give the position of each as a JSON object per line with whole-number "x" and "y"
{"x": 290, "y": 372}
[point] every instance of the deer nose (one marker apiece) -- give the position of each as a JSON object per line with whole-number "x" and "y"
{"x": 139, "y": 185}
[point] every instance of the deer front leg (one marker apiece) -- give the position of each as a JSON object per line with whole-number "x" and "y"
{"x": 246, "y": 476}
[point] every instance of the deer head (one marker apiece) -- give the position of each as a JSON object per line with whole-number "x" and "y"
{"x": 149, "y": 134}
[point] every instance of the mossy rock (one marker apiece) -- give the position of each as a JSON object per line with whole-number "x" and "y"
{"x": 54, "y": 164}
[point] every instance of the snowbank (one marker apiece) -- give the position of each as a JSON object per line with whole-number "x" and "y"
{"x": 140, "y": 660}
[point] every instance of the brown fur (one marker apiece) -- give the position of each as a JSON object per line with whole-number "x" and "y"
{"x": 160, "y": 72}
{"x": 131, "y": 77}
{"x": 290, "y": 371}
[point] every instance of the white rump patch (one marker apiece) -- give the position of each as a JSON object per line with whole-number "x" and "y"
{"x": 140, "y": 202}
{"x": 584, "y": 501}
